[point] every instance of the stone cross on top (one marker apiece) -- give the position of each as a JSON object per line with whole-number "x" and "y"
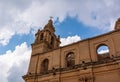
{"x": 51, "y": 17}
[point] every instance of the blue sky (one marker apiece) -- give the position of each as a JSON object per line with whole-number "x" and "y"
{"x": 74, "y": 20}
{"x": 69, "y": 27}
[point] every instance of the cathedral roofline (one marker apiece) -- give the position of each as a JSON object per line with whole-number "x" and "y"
{"x": 87, "y": 39}
{"x": 93, "y": 37}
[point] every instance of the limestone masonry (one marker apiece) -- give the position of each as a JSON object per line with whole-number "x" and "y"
{"x": 77, "y": 62}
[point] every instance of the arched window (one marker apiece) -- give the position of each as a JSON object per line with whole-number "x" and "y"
{"x": 70, "y": 59}
{"x": 44, "y": 66}
{"x": 52, "y": 41}
{"x": 41, "y": 36}
{"x": 103, "y": 52}
{"x": 36, "y": 37}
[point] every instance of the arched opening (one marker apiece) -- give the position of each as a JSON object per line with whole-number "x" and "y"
{"x": 36, "y": 37}
{"x": 41, "y": 36}
{"x": 103, "y": 51}
{"x": 52, "y": 41}
{"x": 70, "y": 59}
{"x": 44, "y": 66}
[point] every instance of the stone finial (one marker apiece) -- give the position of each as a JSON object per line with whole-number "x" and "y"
{"x": 50, "y": 21}
{"x": 49, "y": 26}
{"x": 117, "y": 24}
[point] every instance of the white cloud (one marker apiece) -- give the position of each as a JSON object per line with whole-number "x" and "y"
{"x": 69, "y": 39}
{"x": 19, "y": 16}
{"x": 103, "y": 51}
{"x": 14, "y": 64}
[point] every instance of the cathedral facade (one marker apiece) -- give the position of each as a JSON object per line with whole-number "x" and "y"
{"x": 77, "y": 62}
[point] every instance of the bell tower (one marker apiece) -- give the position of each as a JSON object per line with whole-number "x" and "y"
{"x": 117, "y": 25}
{"x": 45, "y": 39}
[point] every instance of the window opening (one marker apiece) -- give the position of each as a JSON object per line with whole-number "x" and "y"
{"x": 70, "y": 59}
{"x": 44, "y": 66}
{"x": 41, "y": 37}
{"x": 103, "y": 52}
